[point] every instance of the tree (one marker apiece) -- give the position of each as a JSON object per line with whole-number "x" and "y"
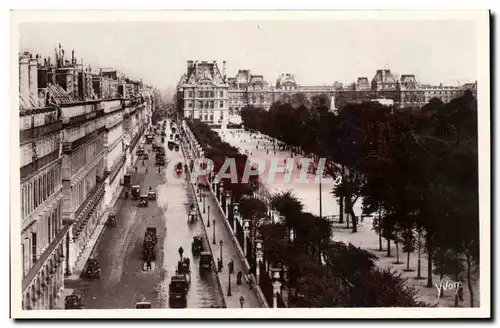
{"x": 288, "y": 206}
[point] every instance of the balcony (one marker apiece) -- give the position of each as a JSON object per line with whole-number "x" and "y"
{"x": 80, "y": 119}
{"x": 39, "y": 131}
{"x": 34, "y": 166}
{"x": 116, "y": 168}
{"x": 92, "y": 196}
{"x": 69, "y": 147}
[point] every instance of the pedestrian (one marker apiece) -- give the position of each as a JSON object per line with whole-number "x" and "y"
{"x": 148, "y": 265}
{"x": 231, "y": 267}
{"x": 181, "y": 251}
{"x": 142, "y": 162}
{"x": 219, "y": 265}
{"x": 146, "y": 170}
{"x": 135, "y": 168}
{"x": 238, "y": 278}
{"x": 159, "y": 169}
{"x": 242, "y": 300}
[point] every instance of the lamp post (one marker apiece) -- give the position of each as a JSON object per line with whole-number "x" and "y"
{"x": 213, "y": 239}
{"x": 208, "y": 219}
{"x": 221, "y": 242}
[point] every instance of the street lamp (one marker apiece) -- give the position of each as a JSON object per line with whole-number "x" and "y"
{"x": 213, "y": 239}
{"x": 221, "y": 242}
{"x": 208, "y": 219}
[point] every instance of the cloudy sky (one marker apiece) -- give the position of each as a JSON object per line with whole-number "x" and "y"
{"x": 317, "y": 52}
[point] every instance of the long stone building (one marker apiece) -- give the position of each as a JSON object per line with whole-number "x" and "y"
{"x": 252, "y": 89}
{"x": 78, "y": 131}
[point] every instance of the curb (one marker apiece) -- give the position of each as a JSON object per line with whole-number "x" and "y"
{"x": 260, "y": 294}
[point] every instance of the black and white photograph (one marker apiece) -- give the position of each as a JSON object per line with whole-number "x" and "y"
{"x": 263, "y": 164}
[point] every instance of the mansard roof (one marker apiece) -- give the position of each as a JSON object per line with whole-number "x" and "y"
{"x": 243, "y": 76}
{"x": 205, "y": 72}
{"x": 286, "y": 78}
{"x": 384, "y": 76}
{"x": 58, "y": 95}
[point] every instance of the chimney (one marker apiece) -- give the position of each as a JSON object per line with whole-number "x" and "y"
{"x": 224, "y": 68}
{"x": 73, "y": 61}
{"x": 33, "y": 80}
{"x": 24, "y": 78}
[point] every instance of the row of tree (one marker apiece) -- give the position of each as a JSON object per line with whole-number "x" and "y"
{"x": 301, "y": 242}
{"x": 417, "y": 170}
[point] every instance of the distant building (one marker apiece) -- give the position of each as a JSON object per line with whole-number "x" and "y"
{"x": 246, "y": 88}
{"x": 202, "y": 93}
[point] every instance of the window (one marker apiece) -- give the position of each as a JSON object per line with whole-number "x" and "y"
{"x": 23, "y": 206}
{"x": 190, "y": 94}
{"x": 221, "y": 104}
{"x": 212, "y": 104}
{"x": 33, "y": 246}
{"x": 221, "y": 94}
{"x": 212, "y": 94}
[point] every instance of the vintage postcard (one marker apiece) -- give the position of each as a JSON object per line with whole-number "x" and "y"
{"x": 315, "y": 164}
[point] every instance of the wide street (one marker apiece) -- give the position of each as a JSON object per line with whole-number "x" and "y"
{"x": 123, "y": 282}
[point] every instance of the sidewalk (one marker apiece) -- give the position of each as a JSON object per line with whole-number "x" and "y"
{"x": 229, "y": 252}
{"x": 84, "y": 256}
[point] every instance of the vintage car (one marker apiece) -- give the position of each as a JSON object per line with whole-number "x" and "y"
{"x": 73, "y": 302}
{"x": 205, "y": 261}
{"x": 145, "y": 156}
{"x": 197, "y": 245}
{"x": 160, "y": 161}
{"x": 171, "y": 137}
{"x": 152, "y": 195}
{"x": 92, "y": 269}
{"x": 177, "y": 291}
{"x": 178, "y": 168}
{"x": 149, "y": 244}
{"x": 184, "y": 268}
{"x": 171, "y": 145}
{"x": 163, "y": 133}
{"x": 177, "y": 137}
{"x": 111, "y": 219}
{"x": 162, "y": 139}
{"x": 143, "y": 201}
{"x": 177, "y": 148}
{"x": 143, "y": 305}
{"x": 136, "y": 191}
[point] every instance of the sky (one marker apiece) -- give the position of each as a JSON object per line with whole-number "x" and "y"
{"x": 317, "y": 52}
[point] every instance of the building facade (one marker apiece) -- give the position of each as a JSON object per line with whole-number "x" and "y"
{"x": 77, "y": 132}
{"x": 202, "y": 93}
{"x": 385, "y": 87}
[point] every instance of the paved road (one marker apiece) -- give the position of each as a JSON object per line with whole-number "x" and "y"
{"x": 123, "y": 281}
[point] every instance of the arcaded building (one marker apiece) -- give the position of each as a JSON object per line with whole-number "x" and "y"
{"x": 78, "y": 131}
